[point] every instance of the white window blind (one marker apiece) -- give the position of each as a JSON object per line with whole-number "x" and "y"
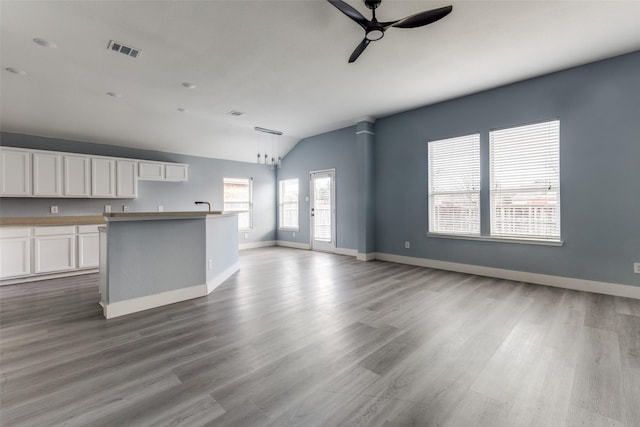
{"x": 525, "y": 181}
{"x": 238, "y": 198}
{"x": 454, "y": 185}
{"x": 288, "y": 204}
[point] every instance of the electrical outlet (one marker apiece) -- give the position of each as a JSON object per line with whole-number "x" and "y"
{"x": 294, "y": 234}
{"x": 160, "y": 208}
{"x": 107, "y": 208}
{"x": 210, "y": 264}
{"x": 636, "y": 267}
{"x": 407, "y": 244}
{"x": 246, "y": 235}
{"x": 54, "y": 209}
{"x": 125, "y": 208}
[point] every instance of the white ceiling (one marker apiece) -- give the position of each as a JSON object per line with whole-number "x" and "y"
{"x": 282, "y": 63}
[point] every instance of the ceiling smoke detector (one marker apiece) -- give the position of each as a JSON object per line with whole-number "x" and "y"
{"x": 126, "y": 50}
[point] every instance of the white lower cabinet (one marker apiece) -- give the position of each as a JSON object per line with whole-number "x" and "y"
{"x": 33, "y": 251}
{"x": 54, "y": 249}
{"x": 88, "y": 246}
{"x": 15, "y": 251}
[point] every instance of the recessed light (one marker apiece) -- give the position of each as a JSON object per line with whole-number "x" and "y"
{"x": 115, "y": 94}
{"x": 45, "y": 42}
{"x": 16, "y": 71}
{"x": 183, "y": 110}
{"x": 189, "y": 85}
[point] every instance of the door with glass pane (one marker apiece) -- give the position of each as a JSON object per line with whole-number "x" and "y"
{"x": 323, "y": 210}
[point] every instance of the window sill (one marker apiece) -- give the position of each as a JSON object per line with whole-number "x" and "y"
{"x": 288, "y": 229}
{"x": 517, "y": 240}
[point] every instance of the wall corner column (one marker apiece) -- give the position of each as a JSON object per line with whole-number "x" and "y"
{"x": 365, "y": 132}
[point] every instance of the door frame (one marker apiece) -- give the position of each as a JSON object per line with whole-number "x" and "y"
{"x": 332, "y": 246}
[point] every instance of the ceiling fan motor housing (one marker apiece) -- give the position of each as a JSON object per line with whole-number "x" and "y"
{"x": 372, "y": 4}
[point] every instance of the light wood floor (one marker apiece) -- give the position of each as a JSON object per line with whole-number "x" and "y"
{"x": 311, "y": 339}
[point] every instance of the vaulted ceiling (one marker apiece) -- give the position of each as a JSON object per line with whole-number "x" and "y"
{"x": 283, "y": 64}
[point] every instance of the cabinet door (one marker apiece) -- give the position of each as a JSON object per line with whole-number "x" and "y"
{"x": 151, "y": 171}
{"x": 103, "y": 177}
{"x": 88, "y": 250}
{"x": 54, "y": 253}
{"x": 16, "y": 257}
{"x": 126, "y": 179}
{"x": 175, "y": 172}
{"x": 15, "y": 173}
{"x": 47, "y": 174}
{"x": 76, "y": 176}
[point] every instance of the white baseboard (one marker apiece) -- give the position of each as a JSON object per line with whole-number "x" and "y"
{"x": 366, "y": 257}
{"x": 294, "y": 245}
{"x": 47, "y": 276}
{"x": 220, "y": 278}
{"x": 120, "y": 308}
{"x": 254, "y": 245}
{"x": 606, "y": 288}
{"x": 345, "y": 251}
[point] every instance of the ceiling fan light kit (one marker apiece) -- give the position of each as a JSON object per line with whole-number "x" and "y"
{"x": 374, "y": 30}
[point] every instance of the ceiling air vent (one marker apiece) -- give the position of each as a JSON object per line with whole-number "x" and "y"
{"x": 127, "y": 50}
{"x": 235, "y": 113}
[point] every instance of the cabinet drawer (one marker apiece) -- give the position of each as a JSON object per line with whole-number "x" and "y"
{"x": 15, "y": 232}
{"x": 85, "y": 229}
{"x": 54, "y": 231}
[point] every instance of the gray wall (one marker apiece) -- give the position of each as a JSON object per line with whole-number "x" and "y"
{"x": 599, "y": 110}
{"x": 336, "y": 149}
{"x": 205, "y": 183}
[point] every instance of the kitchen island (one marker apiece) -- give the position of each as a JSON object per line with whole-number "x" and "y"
{"x": 150, "y": 259}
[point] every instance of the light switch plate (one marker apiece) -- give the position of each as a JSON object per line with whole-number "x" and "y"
{"x": 107, "y": 208}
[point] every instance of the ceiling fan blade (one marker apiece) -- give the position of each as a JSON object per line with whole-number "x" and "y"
{"x": 361, "y": 47}
{"x": 420, "y": 19}
{"x": 350, "y": 12}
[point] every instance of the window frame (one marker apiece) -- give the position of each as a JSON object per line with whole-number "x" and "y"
{"x": 249, "y": 181}
{"x": 281, "y": 204}
{"x": 474, "y": 140}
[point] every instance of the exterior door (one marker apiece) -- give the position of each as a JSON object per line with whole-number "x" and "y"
{"x": 323, "y": 210}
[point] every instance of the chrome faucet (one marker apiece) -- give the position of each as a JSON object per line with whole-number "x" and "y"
{"x": 204, "y": 203}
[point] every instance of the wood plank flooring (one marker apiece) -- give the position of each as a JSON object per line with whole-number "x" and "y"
{"x": 298, "y": 338}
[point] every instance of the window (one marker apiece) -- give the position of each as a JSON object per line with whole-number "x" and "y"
{"x": 525, "y": 181}
{"x": 238, "y": 198}
{"x": 288, "y": 209}
{"x": 454, "y": 185}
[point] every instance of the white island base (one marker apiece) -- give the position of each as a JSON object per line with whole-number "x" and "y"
{"x": 150, "y": 259}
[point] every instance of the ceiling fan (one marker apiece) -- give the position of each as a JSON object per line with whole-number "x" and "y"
{"x": 374, "y": 30}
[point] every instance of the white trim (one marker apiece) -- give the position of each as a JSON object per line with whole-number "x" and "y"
{"x": 615, "y": 289}
{"x": 265, "y": 243}
{"x": 121, "y": 308}
{"x": 345, "y": 251}
{"x": 366, "y": 257}
{"x": 368, "y": 132}
{"x": 220, "y": 278}
{"x": 367, "y": 119}
{"x": 294, "y": 245}
{"x": 518, "y": 240}
{"x": 47, "y": 276}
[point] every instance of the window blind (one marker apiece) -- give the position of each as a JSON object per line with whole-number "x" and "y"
{"x": 289, "y": 203}
{"x": 454, "y": 185}
{"x": 525, "y": 181}
{"x": 237, "y": 198}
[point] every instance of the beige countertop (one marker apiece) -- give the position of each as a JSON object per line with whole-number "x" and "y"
{"x": 51, "y": 220}
{"x": 141, "y": 216}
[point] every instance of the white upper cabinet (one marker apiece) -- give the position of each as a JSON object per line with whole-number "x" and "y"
{"x": 176, "y": 172}
{"x": 15, "y": 172}
{"x": 151, "y": 171}
{"x": 103, "y": 177}
{"x": 39, "y": 173}
{"x": 47, "y": 174}
{"x": 76, "y": 176}
{"x": 126, "y": 178}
